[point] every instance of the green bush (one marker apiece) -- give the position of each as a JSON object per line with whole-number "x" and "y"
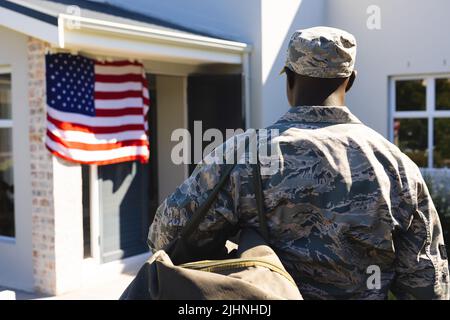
{"x": 440, "y": 192}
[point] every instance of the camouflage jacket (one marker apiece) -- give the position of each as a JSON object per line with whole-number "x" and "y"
{"x": 349, "y": 214}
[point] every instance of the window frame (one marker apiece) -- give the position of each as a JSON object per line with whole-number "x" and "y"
{"x": 430, "y": 113}
{"x": 9, "y": 124}
{"x": 6, "y": 123}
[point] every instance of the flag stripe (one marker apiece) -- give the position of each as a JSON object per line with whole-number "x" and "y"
{"x": 145, "y": 102}
{"x": 141, "y": 158}
{"x": 117, "y": 70}
{"x": 107, "y": 78}
{"x": 117, "y": 63}
{"x": 96, "y": 138}
{"x": 119, "y": 103}
{"x": 119, "y": 87}
{"x": 97, "y": 155}
{"x": 104, "y": 146}
{"x": 118, "y": 112}
{"x": 79, "y": 127}
{"x": 95, "y": 122}
{"x": 102, "y": 95}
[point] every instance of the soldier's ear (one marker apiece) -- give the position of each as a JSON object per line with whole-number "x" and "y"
{"x": 351, "y": 80}
{"x": 290, "y": 86}
{"x": 290, "y": 77}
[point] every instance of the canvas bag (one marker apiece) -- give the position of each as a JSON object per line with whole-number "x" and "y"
{"x": 252, "y": 272}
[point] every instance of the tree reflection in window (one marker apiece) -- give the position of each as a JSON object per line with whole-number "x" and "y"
{"x": 443, "y": 94}
{"x": 410, "y": 95}
{"x": 441, "y": 157}
{"x": 411, "y": 136}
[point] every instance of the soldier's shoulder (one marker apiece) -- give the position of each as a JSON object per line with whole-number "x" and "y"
{"x": 406, "y": 165}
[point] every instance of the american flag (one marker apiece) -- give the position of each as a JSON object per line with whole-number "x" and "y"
{"x": 96, "y": 111}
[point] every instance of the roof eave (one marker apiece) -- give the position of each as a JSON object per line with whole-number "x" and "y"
{"x": 29, "y": 22}
{"x": 82, "y": 33}
{"x": 146, "y": 33}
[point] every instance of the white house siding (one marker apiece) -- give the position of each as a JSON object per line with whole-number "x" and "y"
{"x": 68, "y": 224}
{"x": 265, "y": 24}
{"x": 277, "y": 25}
{"x": 413, "y": 39}
{"x": 16, "y": 267}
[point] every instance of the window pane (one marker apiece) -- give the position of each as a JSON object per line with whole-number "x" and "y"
{"x": 411, "y": 136}
{"x": 6, "y": 184}
{"x": 441, "y": 143}
{"x": 443, "y": 94}
{"x": 5, "y": 96}
{"x": 410, "y": 95}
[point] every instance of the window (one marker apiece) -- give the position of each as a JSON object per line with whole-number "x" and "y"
{"x": 420, "y": 126}
{"x": 7, "y": 227}
{"x": 420, "y": 123}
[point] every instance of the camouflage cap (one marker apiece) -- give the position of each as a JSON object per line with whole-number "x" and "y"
{"x": 321, "y": 52}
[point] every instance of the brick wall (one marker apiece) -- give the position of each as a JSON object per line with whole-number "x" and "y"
{"x": 43, "y": 224}
{"x": 57, "y": 215}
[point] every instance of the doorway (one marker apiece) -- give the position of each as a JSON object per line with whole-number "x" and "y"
{"x": 120, "y": 200}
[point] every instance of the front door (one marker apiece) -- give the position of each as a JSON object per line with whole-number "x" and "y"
{"x": 216, "y": 101}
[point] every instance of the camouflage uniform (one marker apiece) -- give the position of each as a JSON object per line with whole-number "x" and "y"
{"x": 321, "y": 52}
{"x": 343, "y": 200}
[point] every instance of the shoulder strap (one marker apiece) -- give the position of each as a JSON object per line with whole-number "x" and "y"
{"x": 259, "y": 197}
{"x": 202, "y": 210}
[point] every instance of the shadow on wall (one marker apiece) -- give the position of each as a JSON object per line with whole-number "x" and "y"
{"x": 310, "y": 13}
{"x": 124, "y": 209}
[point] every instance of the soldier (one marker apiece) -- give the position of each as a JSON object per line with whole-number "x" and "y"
{"x": 349, "y": 214}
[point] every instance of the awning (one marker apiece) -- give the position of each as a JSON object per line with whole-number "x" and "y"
{"x": 102, "y": 28}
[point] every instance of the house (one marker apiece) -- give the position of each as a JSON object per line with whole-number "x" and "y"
{"x": 64, "y": 225}
{"x": 68, "y": 224}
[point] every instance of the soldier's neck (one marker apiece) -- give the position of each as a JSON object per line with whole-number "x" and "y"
{"x": 335, "y": 99}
